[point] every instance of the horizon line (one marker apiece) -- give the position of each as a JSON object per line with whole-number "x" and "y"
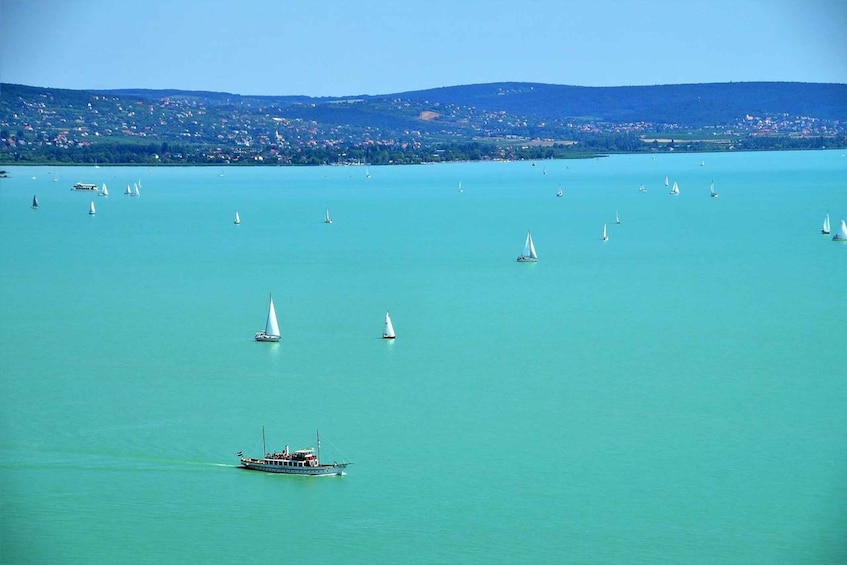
{"x": 204, "y": 91}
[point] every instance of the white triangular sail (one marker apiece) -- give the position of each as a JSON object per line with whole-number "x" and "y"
{"x": 666, "y": 182}
{"x": 128, "y": 191}
{"x": 34, "y": 202}
{"x": 327, "y": 217}
{"x": 675, "y": 189}
{"x": 388, "y": 328}
{"x": 712, "y": 190}
{"x": 105, "y": 191}
{"x": 237, "y": 218}
{"x": 91, "y": 210}
{"x": 825, "y": 229}
{"x": 528, "y": 253}
{"x": 605, "y": 233}
{"x": 617, "y": 217}
{"x": 842, "y": 233}
{"x": 135, "y": 191}
{"x": 271, "y": 326}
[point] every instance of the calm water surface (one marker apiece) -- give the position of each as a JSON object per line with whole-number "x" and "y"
{"x": 674, "y": 394}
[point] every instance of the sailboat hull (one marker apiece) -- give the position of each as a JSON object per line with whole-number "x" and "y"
{"x": 262, "y": 336}
{"x": 523, "y": 259}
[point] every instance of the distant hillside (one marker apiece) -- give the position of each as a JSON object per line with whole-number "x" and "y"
{"x": 482, "y": 121}
{"x": 691, "y": 105}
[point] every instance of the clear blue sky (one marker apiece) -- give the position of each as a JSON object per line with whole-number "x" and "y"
{"x": 335, "y": 47}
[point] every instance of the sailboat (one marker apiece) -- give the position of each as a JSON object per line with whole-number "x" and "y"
{"x": 271, "y": 331}
{"x": 617, "y": 218}
{"x": 105, "y": 191}
{"x": 544, "y": 171}
{"x": 91, "y": 210}
{"x": 367, "y": 173}
{"x": 529, "y": 255}
{"x": 667, "y": 184}
{"x": 842, "y": 233}
{"x": 559, "y": 193}
{"x": 824, "y": 231}
{"x": 135, "y": 190}
{"x": 327, "y": 217}
{"x": 675, "y": 189}
{"x": 642, "y": 188}
{"x": 388, "y": 328}
{"x": 237, "y": 218}
{"x": 712, "y": 192}
{"x": 128, "y": 191}
{"x": 460, "y": 186}
{"x": 605, "y": 234}
{"x": 702, "y": 163}
{"x": 35, "y": 203}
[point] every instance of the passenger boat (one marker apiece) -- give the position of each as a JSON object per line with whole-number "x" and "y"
{"x": 84, "y": 186}
{"x": 301, "y": 462}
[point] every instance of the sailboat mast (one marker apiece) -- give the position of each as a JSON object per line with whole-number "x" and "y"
{"x": 318, "y": 438}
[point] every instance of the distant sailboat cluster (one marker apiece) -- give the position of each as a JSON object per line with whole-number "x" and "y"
{"x": 840, "y": 235}
{"x": 272, "y": 334}
{"x": 134, "y": 191}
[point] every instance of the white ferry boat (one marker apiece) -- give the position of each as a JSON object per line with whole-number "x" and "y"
{"x": 84, "y": 186}
{"x": 300, "y": 462}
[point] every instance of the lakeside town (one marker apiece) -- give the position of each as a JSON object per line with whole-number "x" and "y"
{"x": 39, "y": 125}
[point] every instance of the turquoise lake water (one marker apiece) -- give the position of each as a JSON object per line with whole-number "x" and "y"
{"x": 675, "y": 394}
